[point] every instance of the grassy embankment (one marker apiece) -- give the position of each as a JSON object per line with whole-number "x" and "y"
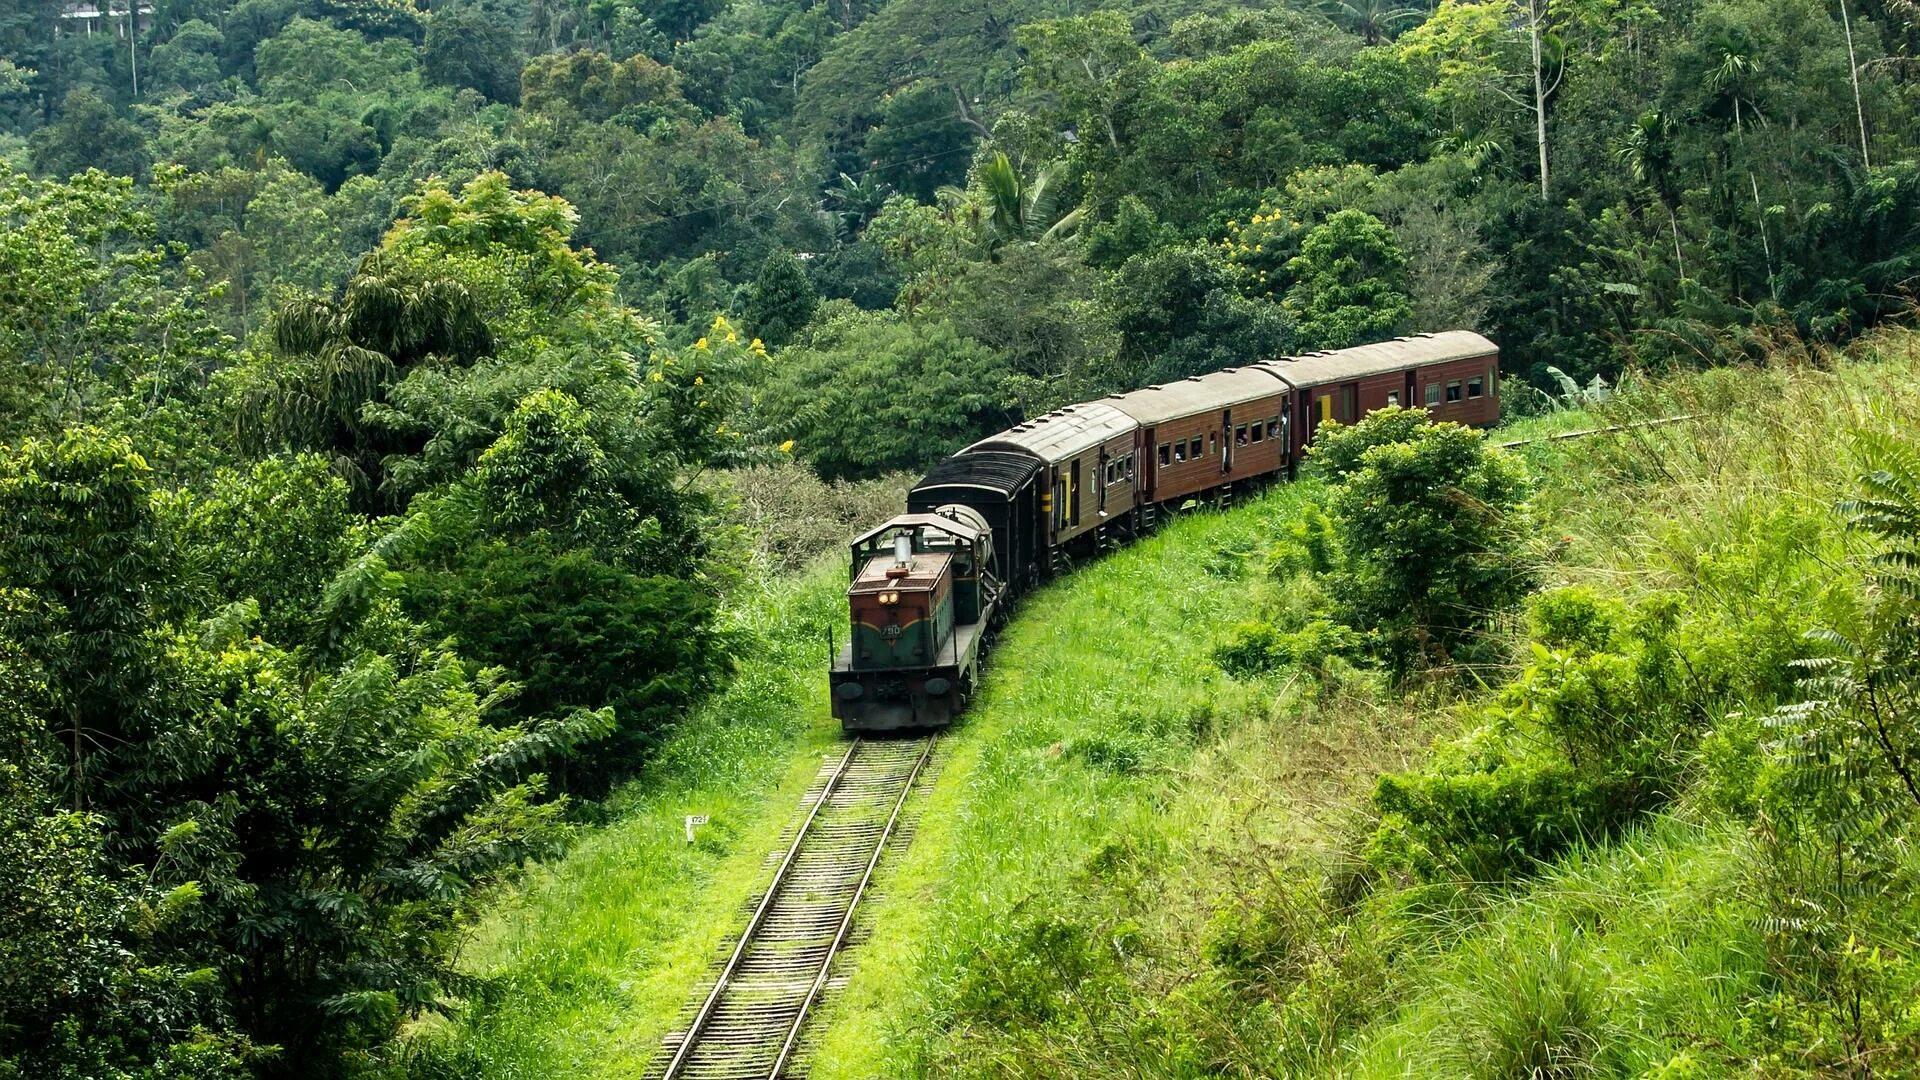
{"x": 1134, "y": 867}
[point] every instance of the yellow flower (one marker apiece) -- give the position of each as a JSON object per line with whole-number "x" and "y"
{"x": 699, "y": 380}
{"x": 720, "y": 429}
{"x": 732, "y": 337}
{"x": 656, "y": 376}
{"x": 719, "y": 323}
{"x": 701, "y": 344}
{"x": 787, "y": 447}
{"x": 758, "y": 346}
{"x": 703, "y": 404}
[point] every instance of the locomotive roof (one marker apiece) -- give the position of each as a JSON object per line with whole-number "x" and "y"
{"x": 923, "y": 572}
{"x": 1220, "y": 390}
{"x": 914, "y": 521}
{"x": 987, "y": 470}
{"x": 1062, "y": 433}
{"x": 1340, "y": 365}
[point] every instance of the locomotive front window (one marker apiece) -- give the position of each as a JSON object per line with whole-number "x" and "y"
{"x": 1433, "y": 394}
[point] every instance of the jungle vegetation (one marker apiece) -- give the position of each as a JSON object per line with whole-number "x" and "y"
{"x": 394, "y": 395}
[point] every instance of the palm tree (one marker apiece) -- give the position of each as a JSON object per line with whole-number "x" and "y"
{"x": 1374, "y": 20}
{"x": 1731, "y": 81}
{"x": 1648, "y": 154}
{"x": 1011, "y": 208}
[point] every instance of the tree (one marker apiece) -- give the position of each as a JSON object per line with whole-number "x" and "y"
{"x": 468, "y": 46}
{"x": 1349, "y": 285}
{"x": 865, "y": 393}
{"x": 340, "y": 355}
{"x": 89, "y": 134}
{"x": 1433, "y": 528}
{"x": 1375, "y": 21}
{"x": 781, "y": 300}
{"x": 1008, "y": 206}
{"x": 82, "y": 536}
{"x": 189, "y": 59}
{"x": 1180, "y": 311}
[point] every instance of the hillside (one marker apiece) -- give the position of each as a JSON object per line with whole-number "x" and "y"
{"x": 409, "y": 410}
{"x": 1145, "y": 868}
{"x": 1135, "y": 863}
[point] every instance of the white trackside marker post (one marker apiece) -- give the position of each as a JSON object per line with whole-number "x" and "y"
{"x": 693, "y": 820}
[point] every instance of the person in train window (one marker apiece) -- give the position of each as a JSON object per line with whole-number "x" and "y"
{"x": 1393, "y": 399}
{"x": 1179, "y": 452}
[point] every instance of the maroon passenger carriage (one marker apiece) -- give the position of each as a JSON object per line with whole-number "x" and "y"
{"x": 1012, "y": 508}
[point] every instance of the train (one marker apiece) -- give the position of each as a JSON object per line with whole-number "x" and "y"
{"x": 986, "y": 525}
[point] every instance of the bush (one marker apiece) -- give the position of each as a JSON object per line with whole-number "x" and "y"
{"x": 577, "y": 633}
{"x": 1498, "y": 823}
{"x": 1434, "y": 533}
{"x": 1256, "y": 648}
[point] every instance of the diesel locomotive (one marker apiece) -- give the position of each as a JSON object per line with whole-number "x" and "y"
{"x": 985, "y": 525}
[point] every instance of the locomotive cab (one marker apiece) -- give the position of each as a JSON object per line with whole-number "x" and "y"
{"x": 921, "y": 593}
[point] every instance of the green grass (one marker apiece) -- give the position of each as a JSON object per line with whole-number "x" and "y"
{"x": 591, "y": 958}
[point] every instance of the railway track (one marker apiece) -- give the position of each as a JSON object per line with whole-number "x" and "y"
{"x": 748, "y": 1025}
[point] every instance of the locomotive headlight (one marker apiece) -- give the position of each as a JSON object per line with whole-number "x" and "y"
{"x": 889, "y": 598}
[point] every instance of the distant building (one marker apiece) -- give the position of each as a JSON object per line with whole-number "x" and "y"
{"x": 101, "y": 16}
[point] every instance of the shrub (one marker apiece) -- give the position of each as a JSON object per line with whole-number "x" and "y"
{"x": 1434, "y": 531}
{"x": 1498, "y": 823}
{"x": 574, "y": 633}
{"x": 1256, "y": 648}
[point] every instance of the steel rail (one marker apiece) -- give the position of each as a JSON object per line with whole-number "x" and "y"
{"x": 753, "y": 924}
{"x": 846, "y": 920}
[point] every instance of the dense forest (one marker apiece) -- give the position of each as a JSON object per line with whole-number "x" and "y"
{"x": 366, "y": 366}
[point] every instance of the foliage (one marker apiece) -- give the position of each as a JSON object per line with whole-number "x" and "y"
{"x": 868, "y": 393}
{"x": 781, "y": 300}
{"x": 1348, "y": 283}
{"x": 1434, "y": 530}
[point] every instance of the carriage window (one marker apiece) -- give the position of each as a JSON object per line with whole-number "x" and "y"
{"x": 1129, "y": 466}
{"x": 1259, "y": 431}
{"x": 1433, "y": 394}
{"x": 1240, "y": 435}
{"x": 1193, "y": 448}
{"x": 1453, "y": 390}
{"x": 1475, "y": 387}
{"x": 1166, "y": 454}
{"x": 1179, "y": 452}
{"x": 1273, "y": 427}
{"x": 1213, "y": 442}
{"x": 1393, "y": 398}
